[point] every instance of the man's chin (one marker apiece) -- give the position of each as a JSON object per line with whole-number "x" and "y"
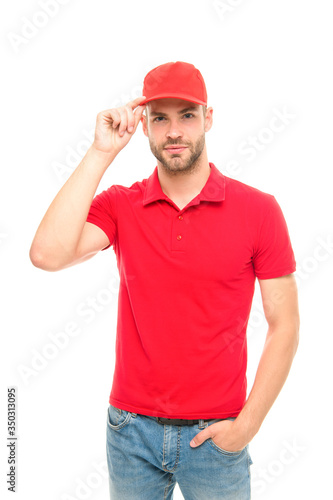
{"x": 176, "y": 161}
{"x": 176, "y": 165}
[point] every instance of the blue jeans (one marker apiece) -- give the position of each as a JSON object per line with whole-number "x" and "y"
{"x": 146, "y": 459}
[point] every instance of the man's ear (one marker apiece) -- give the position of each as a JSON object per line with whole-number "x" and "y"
{"x": 144, "y": 124}
{"x": 209, "y": 119}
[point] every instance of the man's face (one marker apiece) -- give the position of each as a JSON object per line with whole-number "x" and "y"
{"x": 176, "y": 132}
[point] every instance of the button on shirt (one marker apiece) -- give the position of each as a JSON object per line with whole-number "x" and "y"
{"x": 186, "y": 286}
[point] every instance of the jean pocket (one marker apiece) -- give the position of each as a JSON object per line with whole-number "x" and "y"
{"x": 117, "y": 419}
{"x": 221, "y": 450}
{"x": 225, "y": 452}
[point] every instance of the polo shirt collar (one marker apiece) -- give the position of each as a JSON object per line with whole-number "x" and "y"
{"x": 213, "y": 190}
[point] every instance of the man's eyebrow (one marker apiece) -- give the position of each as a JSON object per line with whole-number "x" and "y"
{"x": 185, "y": 110}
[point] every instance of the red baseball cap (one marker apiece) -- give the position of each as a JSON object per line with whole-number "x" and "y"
{"x": 175, "y": 79}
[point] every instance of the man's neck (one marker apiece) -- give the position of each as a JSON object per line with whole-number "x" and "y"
{"x": 183, "y": 187}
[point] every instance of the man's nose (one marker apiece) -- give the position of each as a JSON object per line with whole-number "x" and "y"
{"x": 174, "y": 130}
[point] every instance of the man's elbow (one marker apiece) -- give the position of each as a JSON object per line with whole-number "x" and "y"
{"x": 288, "y": 331}
{"x": 293, "y": 330}
{"x": 44, "y": 260}
{"x": 297, "y": 329}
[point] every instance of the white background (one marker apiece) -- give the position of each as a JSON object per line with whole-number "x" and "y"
{"x": 256, "y": 57}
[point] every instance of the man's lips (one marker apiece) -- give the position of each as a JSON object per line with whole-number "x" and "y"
{"x": 175, "y": 149}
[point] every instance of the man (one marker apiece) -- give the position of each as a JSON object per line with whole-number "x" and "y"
{"x": 189, "y": 244}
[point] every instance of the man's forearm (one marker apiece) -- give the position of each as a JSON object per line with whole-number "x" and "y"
{"x": 59, "y": 232}
{"x": 274, "y": 366}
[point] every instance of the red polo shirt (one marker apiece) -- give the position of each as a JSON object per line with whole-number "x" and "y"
{"x": 186, "y": 286}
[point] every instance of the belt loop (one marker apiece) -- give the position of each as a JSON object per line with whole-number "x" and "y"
{"x": 202, "y": 424}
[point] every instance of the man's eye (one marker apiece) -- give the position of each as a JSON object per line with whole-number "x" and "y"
{"x": 160, "y": 118}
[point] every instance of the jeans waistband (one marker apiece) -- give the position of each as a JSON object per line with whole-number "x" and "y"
{"x": 179, "y": 421}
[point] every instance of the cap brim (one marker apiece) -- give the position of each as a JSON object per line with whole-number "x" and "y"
{"x": 178, "y": 95}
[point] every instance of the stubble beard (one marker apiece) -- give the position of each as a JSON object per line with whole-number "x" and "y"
{"x": 176, "y": 165}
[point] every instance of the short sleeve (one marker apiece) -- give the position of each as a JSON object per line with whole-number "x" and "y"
{"x": 102, "y": 213}
{"x": 273, "y": 253}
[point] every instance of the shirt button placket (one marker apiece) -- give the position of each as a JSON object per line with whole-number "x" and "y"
{"x": 178, "y": 233}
